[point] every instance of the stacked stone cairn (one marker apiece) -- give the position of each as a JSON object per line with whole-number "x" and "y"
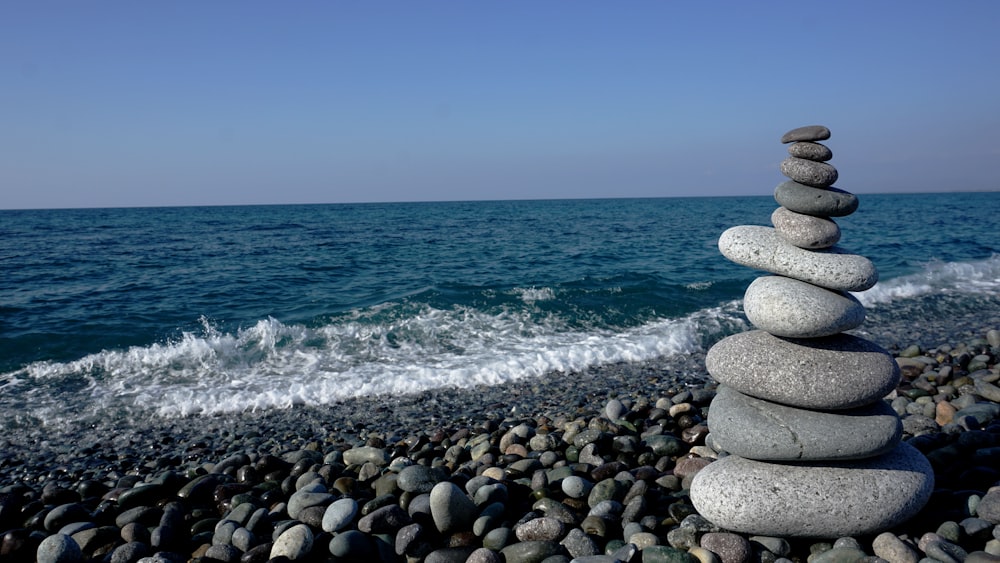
{"x": 814, "y": 449}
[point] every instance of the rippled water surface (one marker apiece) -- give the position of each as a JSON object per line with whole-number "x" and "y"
{"x": 171, "y": 311}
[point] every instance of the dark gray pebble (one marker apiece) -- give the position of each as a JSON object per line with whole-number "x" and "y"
{"x": 66, "y": 514}
{"x": 819, "y": 202}
{"x": 385, "y": 520}
{"x": 420, "y": 478}
{"x": 130, "y": 552}
{"x": 806, "y": 133}
{"x": 352, "y": 544}
{"x": 450, "y": 555}
{"x": 530, "y": 551}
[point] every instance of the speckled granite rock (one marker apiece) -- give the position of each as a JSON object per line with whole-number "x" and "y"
{"x": 758, "y": 429}
{"x": 833, "y": 372}
{"x": 831, "y": 499}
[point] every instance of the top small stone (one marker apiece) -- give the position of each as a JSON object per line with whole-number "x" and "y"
{"x": 807, "y": 133}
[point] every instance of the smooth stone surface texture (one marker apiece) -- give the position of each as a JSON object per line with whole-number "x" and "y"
{"x": 809, "y": 172}
{"x": 796, "y": 309}
{"x": 758, "y": 429}
{"x": 763, "y": 248}
{"x": 821, "y": 202}
{"x": 58, "y": 548}
{"x": 451, "y": 508}
{"x": 833, "y": 372}
{"x": 294, "y": 543}
{"x": 805, "y": 231}
{"x": 810, "y": 151}
{"x": 829, "y": 500}
{"x": 806, "y": 133}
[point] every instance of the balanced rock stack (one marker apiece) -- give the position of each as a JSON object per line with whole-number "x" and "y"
{"x": 814, "y": 449}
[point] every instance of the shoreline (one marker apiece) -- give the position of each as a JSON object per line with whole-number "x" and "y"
{"x": 429, "y": 427}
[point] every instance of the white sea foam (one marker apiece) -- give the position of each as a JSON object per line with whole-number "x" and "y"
{"x": 532, "y": 294}
{"x": 981, "y": 277}
{"x": 277, "y": 365}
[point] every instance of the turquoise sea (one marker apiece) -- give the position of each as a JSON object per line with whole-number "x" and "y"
{"x": 165, "y": 312}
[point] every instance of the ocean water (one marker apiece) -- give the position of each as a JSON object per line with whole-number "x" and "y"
{"x": 127, "y": 314}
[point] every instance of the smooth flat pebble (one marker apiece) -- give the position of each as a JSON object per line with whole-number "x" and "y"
{"x": 833, "y": 372}
{"x": 796, "y": 309}
{"x": 831, "y": 499}
{"x": 763, "y": 248}
{"x": 805, "y": 231}
{"x": 810, "y": 151}
{"x": 809, "y": 172}
{"x": 821, "y": 202}
{"x": 806, "y": 133}
{"x": 888, "y": 546}
{"x": 339, "y": 514}
{"x": 758, "y": 429}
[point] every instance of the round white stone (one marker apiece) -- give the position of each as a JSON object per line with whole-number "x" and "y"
{"x": 796, "y": 309}
{"x": 832, "y": 372}
{"x": 824, "y": 500}
{"x": 762, "y": 248}
{"x": 762, "y": 430}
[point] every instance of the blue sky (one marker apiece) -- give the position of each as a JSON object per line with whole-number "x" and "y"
{"x": 203, "y": 103}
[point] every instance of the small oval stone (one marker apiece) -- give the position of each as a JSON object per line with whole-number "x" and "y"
{"x": 339, "y": 514}
{"x": 821, "y": 202}
{"x": 540, "y": 529}
{"x": 420, "y": 478}
{"x": 828, "y": 500}
{"x": 889, "y": 547}
{"x": 809, "y": 172}
{"x": 810, "y": 151}
{"x": 806, "y": 133}
{"x": 805, "y": 231}
{"x": 730, "y": 548}
{"x": 788, "y": 307}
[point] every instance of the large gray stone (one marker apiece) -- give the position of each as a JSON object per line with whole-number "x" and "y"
{"x": 762, "y": 430}
{"x": 763, "y": 248}
{"x": 796, "y": 309}
{"x": 809, "y": 172}
{"x": 810, "y": 151}
{"x": 826, "y": 500}
{"x": 805, "y": 231}
{"x": 806, "y": 133}
{"x": 822, "y": 202}
{"x": 451, "y": 508}
{"x": 832, "y": 372}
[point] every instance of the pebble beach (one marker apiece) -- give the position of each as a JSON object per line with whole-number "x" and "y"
{"x": 589, "y": 466}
